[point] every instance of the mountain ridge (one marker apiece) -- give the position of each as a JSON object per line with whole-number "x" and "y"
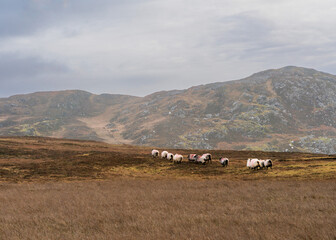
{"x": 285, "y": 109}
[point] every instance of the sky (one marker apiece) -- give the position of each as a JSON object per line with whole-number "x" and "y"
{"x": 138, "y": 47}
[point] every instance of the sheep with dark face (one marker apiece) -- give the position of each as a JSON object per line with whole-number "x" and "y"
{"x": 192, "y": 157}
{"x": 155, "y": 153}
{"x": 224, "y": 162}
{"x": 177, "y": 158}
{"x": 268, "y": 163}
{"x": 207, "y": 157}
{"x": 164, "y": 154}
{"x": 262, "y": 163}
{"x": 254, "y": 163}
{"x": 170, "y": 156}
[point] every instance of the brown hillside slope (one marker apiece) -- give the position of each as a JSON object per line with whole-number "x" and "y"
{"x": 45, "y": 159}
{"x": 71, "y": 189}
{"x": 168, "y": 209}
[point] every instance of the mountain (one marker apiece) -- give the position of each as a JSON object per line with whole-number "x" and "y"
{"x": 286, "y": 109}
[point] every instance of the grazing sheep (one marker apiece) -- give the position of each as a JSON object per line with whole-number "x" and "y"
{"x": 262, "y": 163}
{"x": 200, "y": 159}
{"x": 155, "y": 153}
{"x": 224, "y": 161}
{"x": 164, "y": 154}
{"x": 177, "y": 158}
{"x": 192, "y": 157}
{"x": 268, "y": 163}
{"x": 207, "y": 157}
{"x": 170, "y": 156}
{"x": 248, "y": 163}
{"x": 254, "y": 163}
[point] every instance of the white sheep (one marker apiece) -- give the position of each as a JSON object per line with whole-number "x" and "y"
{"x": 200, "y": 159}
{"x": 155, "y": 153}
{"x": 207, "y": 157}
{"x": 248, "y": 163}
{"x": 268, "y": 163}
{"x": 177, "y": 158}
{"x": 164, "y": 154}
{"x": 254, "y": 163}
{"x": 170, "y": 156}
{"x": 224, "y": 161}
{"x": 192, "y": 157}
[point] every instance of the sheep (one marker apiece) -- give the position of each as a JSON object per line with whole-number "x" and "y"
{"x": 248, "y": 163}
{"x": 224, "y": 161}
{"x": 200, "y": 159}
{"x": 192, "y": 157}
{"x": 164, "y": 154}
{"x": 262, "y": 163}
{"x": 207, "y": 157}
{"x": 268, "y": 163}
{"x": 254, "y": 163}
{"x": 155, "y": 153}
{"x": 177, "y": 158}
{"x": 170, "y": 156}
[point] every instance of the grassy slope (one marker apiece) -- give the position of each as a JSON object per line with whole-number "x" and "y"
{"x": 89, "y": 190}
{"x": 168, "y": 209}
{"x": 31, "y": 159}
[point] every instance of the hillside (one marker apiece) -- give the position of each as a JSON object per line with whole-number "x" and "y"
{"x": 286, "y": 109}
{"x": 75, "y": 189}
{"x": 42, "y": 159}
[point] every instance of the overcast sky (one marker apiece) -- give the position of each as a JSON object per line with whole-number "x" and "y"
{"x": 138, "y": 47}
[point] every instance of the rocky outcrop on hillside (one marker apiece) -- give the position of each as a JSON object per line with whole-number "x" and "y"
{"x": 287, "y": 109}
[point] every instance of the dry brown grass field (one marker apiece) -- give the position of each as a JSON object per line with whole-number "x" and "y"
{"x": 65, "y": 189}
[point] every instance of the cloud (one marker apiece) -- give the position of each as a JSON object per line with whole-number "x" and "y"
{"x": 25, "y": 17}
{"x": 13, "y": 66}
{"x": 20, "y": 73}
{"x": 137, "y": 47}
